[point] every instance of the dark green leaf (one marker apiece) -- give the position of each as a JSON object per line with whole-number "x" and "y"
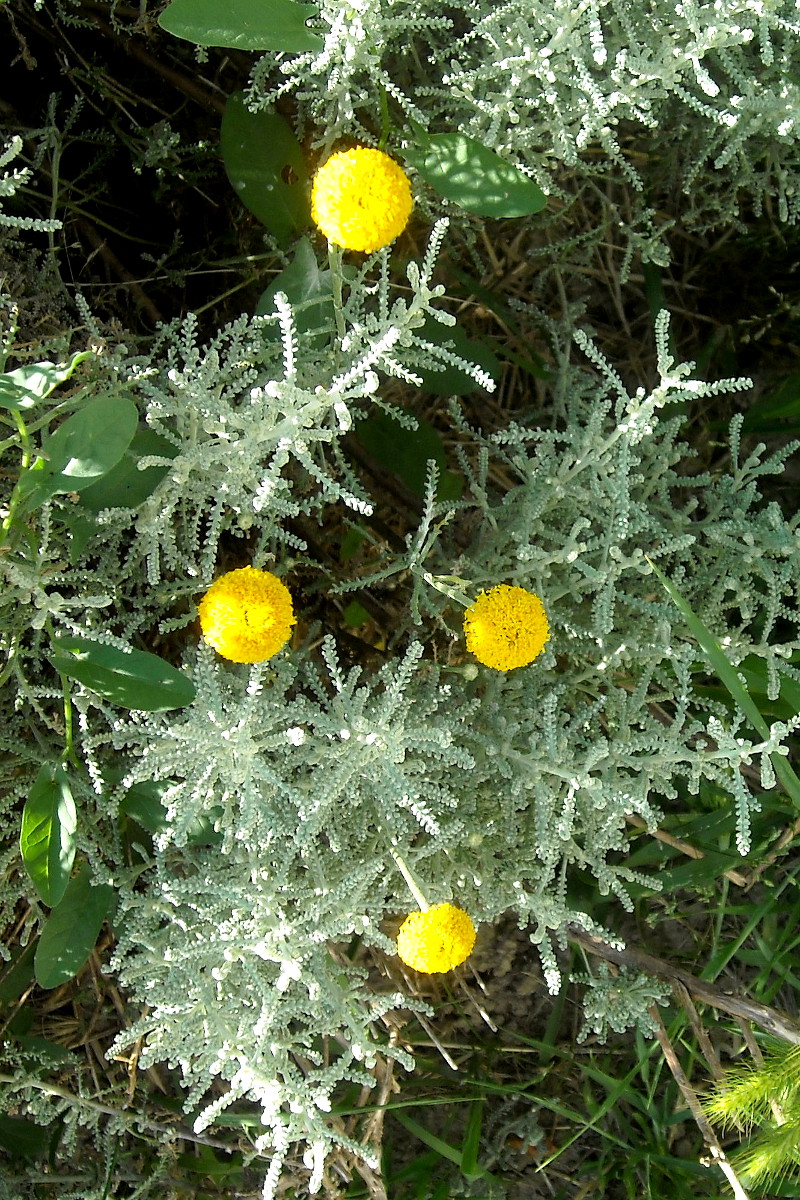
{"x": 142, "y": 804}
{"x": 355, "y": 614}
{"x": 47, "y": 840}
{"x": 754, "y": 672}
{"x": 82, "y": 450}
{"x": 42, "y": 1050}
{"x": 23, "y": 1138}
{"x": 451, "y": 381}
{"x": 532, "y": 363}
{"x": 307, "y": 289}
{"x": 17, "y": 976}
{"x": 465, "y": 171}
{"x": 264, "y": 163}
{"x": 126, "y": 486}
{"x": 406, "y": 452}
{"x": 130, "y": 678}
{"x": 243, "y": 24}
{"x": 13, "y": 396}
{"x": 777, "y": 412}
{"x": 71, "y": 930}
{"x": 472, "y": 1142}
{"x": 91, "y": 442}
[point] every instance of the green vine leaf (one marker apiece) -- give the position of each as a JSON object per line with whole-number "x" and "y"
{"x": 265, "y": 165}
{"x": 71, "y": 930}
{"x": 47, "y": 841}
{"x": 243, "y": 24}
{"x": 471, "y": 175}
{"x": 130, "y": 678}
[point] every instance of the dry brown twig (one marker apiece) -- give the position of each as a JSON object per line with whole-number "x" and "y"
{"x": 716, "y": 1153}
{"x": 770, "y": 1019}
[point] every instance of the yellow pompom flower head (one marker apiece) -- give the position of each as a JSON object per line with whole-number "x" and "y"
{"x": 438, "y": 939}
{"x": 247, "y": 615}
{"x": 361, "y": 199}
{"x": 506, "y": 627}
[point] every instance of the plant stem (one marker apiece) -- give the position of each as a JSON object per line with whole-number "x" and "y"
{"x": 413, "y": 886}
{"x": 335, "y": 261}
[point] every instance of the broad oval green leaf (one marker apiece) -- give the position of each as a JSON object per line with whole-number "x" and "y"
{"x": 130, "y": 678}
{"x": 47, "y": 839}
{"x": 91, "y": 442}
{"x": 465, "y": 171}
{"x": 81, "y": 451}
{"x": 265, "y": 165}
{"x": 126, "y": 486}
{"x": 14, "y": 396}
{"x": 71, "y": 931}
{"x": 243, "y": 24}
{"x": 407, "y": 451}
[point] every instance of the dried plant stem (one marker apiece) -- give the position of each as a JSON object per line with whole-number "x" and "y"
{"x": 767, "y": 1018}
{"x": 690, "y": 1096}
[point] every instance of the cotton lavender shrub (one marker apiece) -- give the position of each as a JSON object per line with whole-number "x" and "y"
{"x": 268, "y": 838}
{"x": 296, "y": 799}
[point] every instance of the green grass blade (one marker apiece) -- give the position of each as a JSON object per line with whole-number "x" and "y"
{"x": 472, "y": 1142}
{"x": 443, "y": 1149}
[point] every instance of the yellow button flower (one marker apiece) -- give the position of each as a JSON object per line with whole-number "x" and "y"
{"x": 506, "y": 627}
{"x": 247, "y": 615}
{"x": 361, "y": 199}
{"x": 436, "y": 940}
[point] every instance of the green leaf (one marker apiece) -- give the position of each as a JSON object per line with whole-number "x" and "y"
{"x": 777, "y": 412}
{"x": 130, "y": 678}
{"x": 81, "y": 451}
{"x": 12, "y": 396}
{"x": 442, "y": 1148}
{"x": 18, "y": 975}
{"x": 38, "y": 380}
{"x": 754, "y": 671}
{"x": 355, "y": 614}
{"x": 532, "y": 363}
{"x": 71, "y": 930}
{"x": 87, "y": 445}
{"x": 265, "y": 165}
{"x": 142, "y": 803}
{"x": 472, "y": 1142}
{"x": 307, "y": 289}
{"x": 47, "y": 840}
{"x": 126, "y": 486}
{"x": 42, "y": 1051}
{"x": 21, "y": 1137}
{"x": 729, "y": 676}
{"x": 450, "y": 381}
{"x": 243, "y": 24}
{"x": 406, "y": 452}
{"x": 465, "y": 171}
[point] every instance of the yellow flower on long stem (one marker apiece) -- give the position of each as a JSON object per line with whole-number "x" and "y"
{"x": 361, "y": 199}
{"x": 506, "y": 627}
{"x": 247, "y": 615}
{"x": 438, "y": 939}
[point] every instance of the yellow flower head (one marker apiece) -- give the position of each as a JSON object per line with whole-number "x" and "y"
{"x": 436, "y": 940}
{"x": 361, "y": 199}
{"x": 247, "y": 615}
{"x": 506, "y": 627}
